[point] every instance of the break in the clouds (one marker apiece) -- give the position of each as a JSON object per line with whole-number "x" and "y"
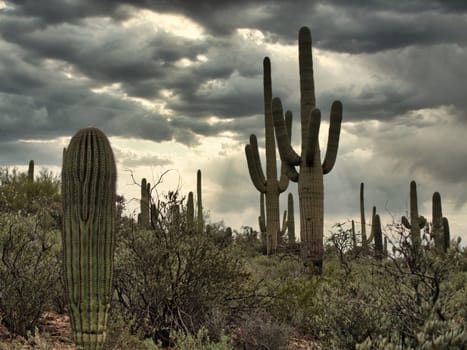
{"x": 178, "y": 84}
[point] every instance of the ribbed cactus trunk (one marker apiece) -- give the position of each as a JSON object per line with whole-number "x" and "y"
{"x": 310, "y": 178}
{"x": 88, "y": 198}
{"x": 268, "y": 185}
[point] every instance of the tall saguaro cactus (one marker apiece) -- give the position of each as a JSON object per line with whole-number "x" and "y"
{"x": 416, "y": 222}
{"x": 268, "y": 185}
{"x": 88, "y": 199}
{"x": 311, "y": 171}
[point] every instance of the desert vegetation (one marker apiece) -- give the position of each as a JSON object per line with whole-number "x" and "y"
{"x": 170, "y": 278}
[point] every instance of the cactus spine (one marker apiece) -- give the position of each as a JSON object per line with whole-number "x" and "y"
{"x": 88, "y": 199}
{"x": 311, "y": 171}
{"x": 416, "y": 222}
{"x": 268, "y": 185}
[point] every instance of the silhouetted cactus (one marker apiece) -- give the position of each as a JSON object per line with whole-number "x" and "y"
{"x": 378, "y": 234}
{"x": 416, "y": 222}
{"x": 31, "y": 171}
{"x": 354, "y": 235}
{"x": 310, "y": 178}
{"x": 268, "y": 185}
{"x": 446, "y": 234}
{"x": 199, "y": 218}
{"x": 190, "y": 212}
{"x": 144, "y": 218}
{"x": 440, "y": 225}
{"x": 362, "y": 212}
{"x": 88, "y": 198}
{"x": 365, "y": 241}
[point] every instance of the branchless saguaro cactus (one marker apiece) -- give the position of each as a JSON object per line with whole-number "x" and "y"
{"x": 440, "y": 229}
{"x": 199, "y": 218}
{"x": 311, "y": 171}
{"x": 268, "y": 185}
{"x": 88, "y": 199}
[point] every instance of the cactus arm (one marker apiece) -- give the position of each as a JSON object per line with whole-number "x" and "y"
{"x": 313, "y": 135}
{"x": 307, "y": 85}
{"x": 333, "y": 138}
{"x": 287, "y": 172}
{"x": 254, "y": 165}
{"x": 286, "y": 151}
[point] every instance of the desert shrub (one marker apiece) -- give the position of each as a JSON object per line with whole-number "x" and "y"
{"x": 170, "y": 278}
{"x": 19, "y": 195}
{"x": 259, "y": 330}
{"x": 199, "y": 341}
{"x": 29, "y": 270}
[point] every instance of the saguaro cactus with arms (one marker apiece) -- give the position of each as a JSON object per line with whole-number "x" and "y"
{"x": 311, "y": 171}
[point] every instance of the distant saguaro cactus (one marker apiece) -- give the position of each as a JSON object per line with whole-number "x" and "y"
{"x": 268, "y": 185}
{"x": 145, "y": 203}
{"x": 88, "y": 237}
{"x": 416, "y": 222}
{"x": 31, "y": 171}
{"x": 378, "y": 234}
{"x": 190, "y": 212}
{"x": 200, "y": 218}
{"x": 310, "y": 176}
{"x": 440, "y": 229}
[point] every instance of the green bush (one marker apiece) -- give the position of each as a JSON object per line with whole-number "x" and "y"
{"x": 29, "y": 270}
{"x": 170, "y": 278}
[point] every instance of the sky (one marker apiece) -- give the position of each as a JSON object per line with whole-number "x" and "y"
{"x": 177, "y": 87}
